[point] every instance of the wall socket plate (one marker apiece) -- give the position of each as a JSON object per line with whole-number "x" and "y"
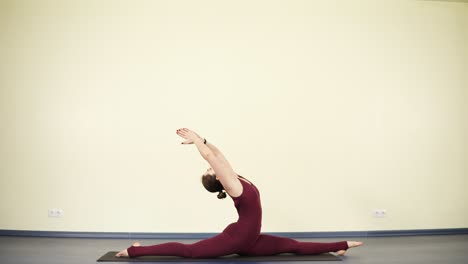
{"x": 380, "y": 213}
{"x": 55, "y": 212}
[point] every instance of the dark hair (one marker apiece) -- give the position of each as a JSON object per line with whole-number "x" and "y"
{"x": 211, "y": 184}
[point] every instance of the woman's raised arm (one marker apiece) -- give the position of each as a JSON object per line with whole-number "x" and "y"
{"x": 213, "y": 156}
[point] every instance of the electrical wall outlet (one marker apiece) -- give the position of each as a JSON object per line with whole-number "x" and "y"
{"x": 380, "y": 213}
{"x": 55, "y": 212}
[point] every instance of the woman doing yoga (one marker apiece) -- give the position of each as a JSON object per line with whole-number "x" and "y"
{"x": 242, "y": 237}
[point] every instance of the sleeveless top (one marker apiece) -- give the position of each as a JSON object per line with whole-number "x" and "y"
{"x": 249, "y": 209}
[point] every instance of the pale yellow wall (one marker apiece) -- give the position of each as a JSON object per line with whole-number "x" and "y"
{"x": 333, "y": 109}
{"x": 464, "y": 23}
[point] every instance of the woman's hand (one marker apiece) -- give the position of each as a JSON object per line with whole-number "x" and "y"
{"x": 188, "y": 134}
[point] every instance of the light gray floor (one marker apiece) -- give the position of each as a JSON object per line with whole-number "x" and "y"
{"x": 395, "y": 250}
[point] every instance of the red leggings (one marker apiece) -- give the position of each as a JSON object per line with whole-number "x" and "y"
{"x": 224, "y": 244}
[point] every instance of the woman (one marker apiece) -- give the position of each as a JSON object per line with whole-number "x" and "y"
{"x": 242, "y": 237}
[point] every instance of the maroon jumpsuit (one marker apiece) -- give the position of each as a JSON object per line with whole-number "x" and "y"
{"x": 242, "y": 237}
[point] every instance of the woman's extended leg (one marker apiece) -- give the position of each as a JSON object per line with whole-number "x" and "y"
{"x": 219, "y": 245}
{"x": 271, "y": 245}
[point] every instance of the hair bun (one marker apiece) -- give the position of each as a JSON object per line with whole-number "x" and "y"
{"x": 221, "y": 195}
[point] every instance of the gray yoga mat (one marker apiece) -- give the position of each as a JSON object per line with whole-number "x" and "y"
{"x": 110, "y": 257}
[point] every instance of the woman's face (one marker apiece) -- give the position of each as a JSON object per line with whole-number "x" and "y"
{"x": 210, "y": 171}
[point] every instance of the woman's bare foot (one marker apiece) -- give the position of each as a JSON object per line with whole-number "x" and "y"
{"x": 351, "y": 244}
{"x": 341, "y": 252}
{"x": 124, "y": 253}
